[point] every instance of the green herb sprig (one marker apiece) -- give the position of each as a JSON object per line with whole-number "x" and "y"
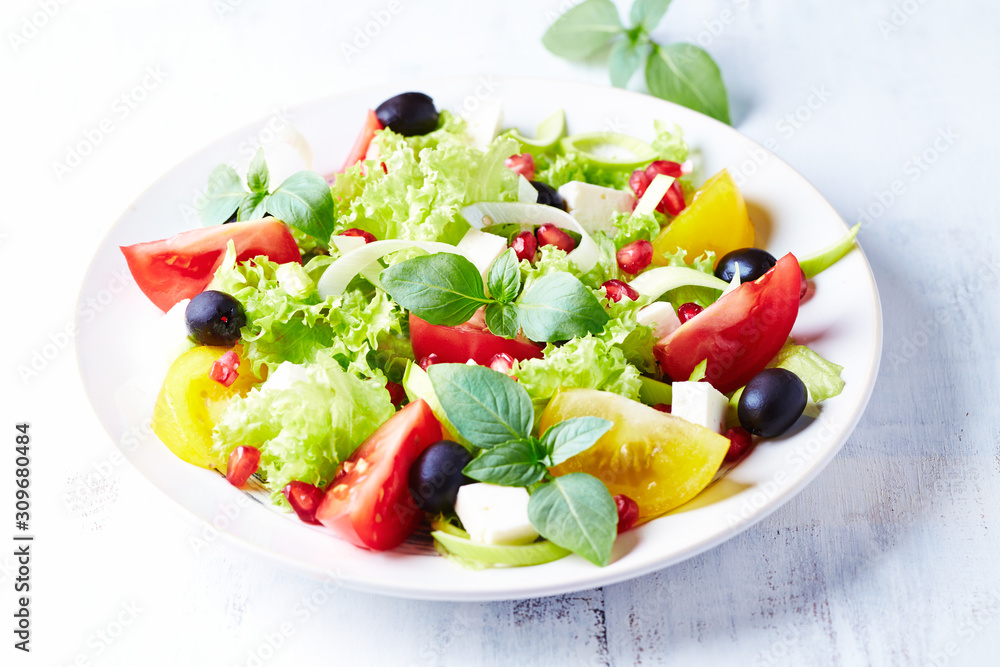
{"x": 447, "y": 289}
{"x": 303, "y": 200}
{"x": 681, "y": 73}
{"x": 494, "y": 413}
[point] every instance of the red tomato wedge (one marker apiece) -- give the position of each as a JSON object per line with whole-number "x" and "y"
{"x": 368, "y": 503}
{"x": 360, "y": 148}
{"x": 180, "y": 267}
{"x": 471, "y": 340}
{"x": 739, "y": 333}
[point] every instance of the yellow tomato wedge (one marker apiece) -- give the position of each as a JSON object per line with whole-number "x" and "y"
{"x": 658, "y": 460}
{"x": 715, "y": 220}
{"x": 189, "y": 401}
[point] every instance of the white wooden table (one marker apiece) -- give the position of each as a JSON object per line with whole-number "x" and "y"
{"x": 890, "y": 558}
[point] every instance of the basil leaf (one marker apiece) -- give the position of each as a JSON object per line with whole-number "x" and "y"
{"x": 444, "y": 288}
{"x": 304, "y": 201}
{"x": 224, "y": 194}
{"x": 252, "y": 207}
{"x": 648, "y": 13}
{"x": 258, "y": 175}
{"x": 504, "y": 278}
{"x": 626, "y": 57}
{"x": 486, "y": 407}
{"x": 583, "y": 29}
{"x": 576, "y": 512}
{"x": 568, "y": 438}
{"x": 698, "y": 374}
{"x": 558, "y": 307}
{"x": 685, "y": 74}
{"x": 502, "y": 319}
{"x": 510, "y": 464}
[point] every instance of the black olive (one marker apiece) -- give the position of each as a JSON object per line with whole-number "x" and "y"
{"x": 548, "y": 195}
{"x": 772, "y": 402}
{"x": 215, "y": 318}
{"x": 232, "y": 218}
{"x": 436, "y": 476}
{"x": 408, "y": 114}
{"x": 753, "y": 262}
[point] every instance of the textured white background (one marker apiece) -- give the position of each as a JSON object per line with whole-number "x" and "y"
{"x": 890, "y": 558}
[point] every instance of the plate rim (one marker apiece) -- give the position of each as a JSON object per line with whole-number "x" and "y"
{"x": 602, "y": 576}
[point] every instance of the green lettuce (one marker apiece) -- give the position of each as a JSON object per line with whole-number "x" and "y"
{"x": 287, "y": 320}
{"x": 821, "y": 377}
{"x": 557, "y": 170}
{"x": 631, "y": 227}
{"x": 305, "y": 419}
{"x": 669, "y": 143}
{"x": 421, "y": 190}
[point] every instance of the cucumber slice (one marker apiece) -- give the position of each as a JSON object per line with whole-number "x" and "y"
{"x": 490, "y": 554}
{"x": 653, "y": 392}
{"x": 822, "y": 260}
{"x": 609, "y": 149}
{"x": 418, "y": 385}
{"x": 547, "y": 136}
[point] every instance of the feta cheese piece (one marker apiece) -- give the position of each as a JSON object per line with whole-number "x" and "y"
{"x": 700, "y": 403}
{"x": 593, "y": 206}
{"x": 660, "y": 316}
{"x": 495, "y": 514}
{"x": 171, "y": 334}
{"x": 484, "y": 125}
{"x": 482, "y": 249}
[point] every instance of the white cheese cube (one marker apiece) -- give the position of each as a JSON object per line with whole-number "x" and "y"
{"x": 482, "y": 249}
{"x": 660, "y": 316}
{"x": 495, "y": 514}
{"x": 484, "y": 125}
{"x": 593, "y": 206}
{"x": 700, "y": 403}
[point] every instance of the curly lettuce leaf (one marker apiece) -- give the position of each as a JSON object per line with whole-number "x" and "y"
{"x": 420, "y": 191}
{"x": 557, "y": 170}
{"x": 305, "y": 419}
{"x": 669, "y": 142}
{"x": 288, "y": 321}
{"x": 633, "y": 227}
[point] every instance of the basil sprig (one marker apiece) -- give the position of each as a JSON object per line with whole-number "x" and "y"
{"x": 303, "y": 200}
{"x": 446, "y": 289}
{"x": 494, "y": 413}
{"x": 682, "y": 73}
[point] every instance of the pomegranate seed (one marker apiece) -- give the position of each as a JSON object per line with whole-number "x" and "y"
{"x": 224, "y": 369}
{"x": 385, "y": 169}
{"x": 803, "y": 284}
{"x": 662, "y": 407}
{"x": 396, "y": 392}
{"x": 428, "y": 361}
{"x": 502, "y": 362}
{"x": 551, "y": 235}
{"x": 635, "y": 257}
{"x": 367, "y": 236}
{"x": 304, "y": 499}
{"x": 524, "y": 245}
{"x": 243, "y": 462}
{"x": 628, "y": 512}
{"x": 616, "y": 289}
{"x": 638, "y": 181}
{"x": 740, "y": 443}
{"x": 672, "y": 202}
{"x": 523, "y": 164}
{"x": 665, "y": 167}
{"x": 687, "y": 311}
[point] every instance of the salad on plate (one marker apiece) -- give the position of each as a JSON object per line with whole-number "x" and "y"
{"x": 532, "y": 344}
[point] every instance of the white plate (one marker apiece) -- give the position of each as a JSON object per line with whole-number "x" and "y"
{"x": 842, "y": 322}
